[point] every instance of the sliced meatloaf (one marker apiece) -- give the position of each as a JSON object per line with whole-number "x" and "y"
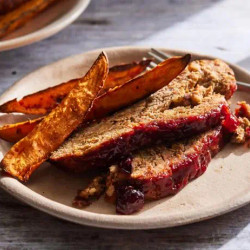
{"x": 181, "y": 109}
{"x": 120, "y": 137}
{"x": 162, "y": 170}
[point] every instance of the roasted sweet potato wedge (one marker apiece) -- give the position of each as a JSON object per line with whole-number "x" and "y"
{"x": 44, "y": 101}
{"x": 120, "y": 74}
{"x": 15, "y": 132}
{"x": 21, "y": 15}
{"x": 41, "y": 102}
{"x": 128, "y": 93}
{"x": 138, "y": 87}
{"x": 26, "y": 155}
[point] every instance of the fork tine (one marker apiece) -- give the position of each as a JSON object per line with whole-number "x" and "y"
{"x": 243, "y": 84}
{"x": 151, "y": 65}
{"x": 156, "y": 57}
{"x": 160, "y": 53}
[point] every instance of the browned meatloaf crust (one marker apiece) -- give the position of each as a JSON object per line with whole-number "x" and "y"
{"x": 182, "y": 108}
{"x": 161, "y": 170}
{"x": 9, "y": 5}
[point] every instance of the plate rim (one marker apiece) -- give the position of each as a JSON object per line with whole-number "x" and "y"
{"x": 65, "y": 212}
{"x": 47, "y": 31}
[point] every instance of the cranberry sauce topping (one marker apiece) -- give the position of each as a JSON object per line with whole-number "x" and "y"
{"x": 191, "y": 167}
{"x": 230, "y": 122}
{"x": 146, "y": 134}
{"x": 126, "y": 165}
{"x": 129, "y": 200}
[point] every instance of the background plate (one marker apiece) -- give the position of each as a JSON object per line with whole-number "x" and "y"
{"x": 45, "y": 24}
{"x": 224, "y": 186}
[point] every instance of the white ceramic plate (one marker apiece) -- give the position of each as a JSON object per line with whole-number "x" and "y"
{"x": 225, "y": 186}
{"x": 45, "y": 24}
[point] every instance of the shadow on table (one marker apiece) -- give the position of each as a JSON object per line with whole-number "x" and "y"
{"x": 22, "y": 226}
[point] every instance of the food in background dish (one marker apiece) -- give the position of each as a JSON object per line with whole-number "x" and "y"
{"x": 16, "y": 13}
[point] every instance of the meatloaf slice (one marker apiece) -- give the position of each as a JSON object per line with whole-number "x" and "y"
{"x": 117, "y": 138}
{"x": 162, "y": 170}
{"x": 182, "y": 108}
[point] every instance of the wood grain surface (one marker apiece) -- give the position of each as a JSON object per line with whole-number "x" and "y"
{"x": 115, "y": 23}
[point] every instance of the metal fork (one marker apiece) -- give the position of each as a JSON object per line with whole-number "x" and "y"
{"x": 160, "y": 56}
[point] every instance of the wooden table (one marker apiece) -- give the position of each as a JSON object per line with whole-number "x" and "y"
{"x": 171, "y": 23}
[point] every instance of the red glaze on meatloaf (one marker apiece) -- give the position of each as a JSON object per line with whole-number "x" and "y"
{"x": 159, "y": 171}
{"x": 173, "y": 124}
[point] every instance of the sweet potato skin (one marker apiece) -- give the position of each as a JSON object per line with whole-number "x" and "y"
{"x": 139, "y": 87}
{"x": 41, "y": 102}
{"x": 26, "y": 155}
{"x": 44, "y": 101}
{"x": 15, "y": 132}
{"x": 128, "y": 93}
{"x": 120, "y": 74}
{"x": 21, "y": 15}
